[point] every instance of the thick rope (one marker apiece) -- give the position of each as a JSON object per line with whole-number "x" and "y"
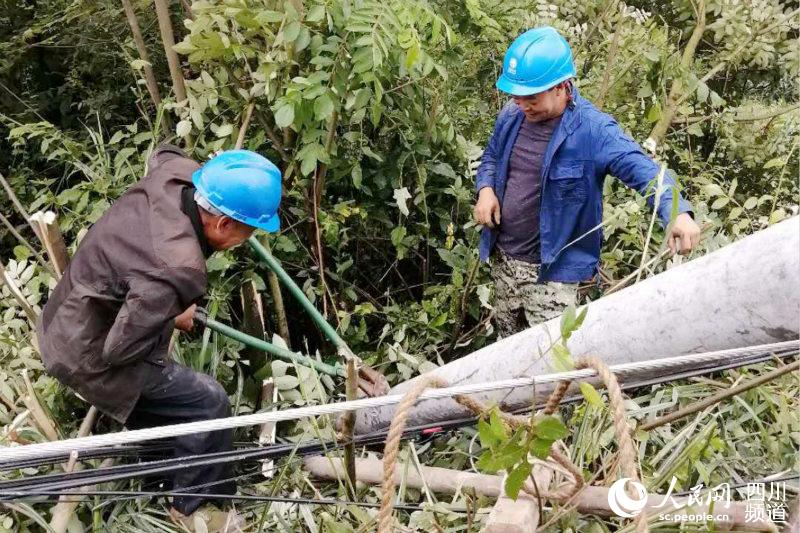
{"x": 627, "y": 453}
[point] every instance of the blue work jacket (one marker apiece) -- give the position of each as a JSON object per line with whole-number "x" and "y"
{"x": 586, "y": 146}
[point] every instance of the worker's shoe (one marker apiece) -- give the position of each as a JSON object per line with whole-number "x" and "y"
{"x": 214, "y": 520}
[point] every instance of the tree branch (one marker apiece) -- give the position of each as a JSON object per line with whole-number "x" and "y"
{"x": 676, "y": 92}
{"x": 149, "y": 77}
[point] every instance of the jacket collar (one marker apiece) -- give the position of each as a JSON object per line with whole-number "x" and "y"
{"x": 189, "y": 207}
{"x": 571, "y": 118}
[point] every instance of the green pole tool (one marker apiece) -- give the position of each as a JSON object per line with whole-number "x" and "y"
{"x": 201, "y": 315}
{"x": 372, "y": 382}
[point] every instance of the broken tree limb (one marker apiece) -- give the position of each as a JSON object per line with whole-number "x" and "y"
{"x": 52, "y": 239}
{"x": 720, "y": 396}
{"x": 591, "y": 500}
{"x": 40, "y": 416}
{"x": 269, "y": 397}
{"x": 687, "y": 309}
{"x": 65, "y": 507}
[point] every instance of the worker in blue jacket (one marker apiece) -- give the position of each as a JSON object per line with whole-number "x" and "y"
{"x": 540, "y": 185}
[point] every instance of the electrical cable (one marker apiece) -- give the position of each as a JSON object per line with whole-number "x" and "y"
{"x": 87, "y": 477}
{"x": 83, "y": 443}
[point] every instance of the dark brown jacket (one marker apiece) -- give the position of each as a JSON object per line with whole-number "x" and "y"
{"x": 137, "y": 268}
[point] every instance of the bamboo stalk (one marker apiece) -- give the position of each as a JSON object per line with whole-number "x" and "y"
{"x": 149, "y": 76}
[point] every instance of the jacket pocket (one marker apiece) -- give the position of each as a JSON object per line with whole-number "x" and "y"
{"x": 568, "y": 182}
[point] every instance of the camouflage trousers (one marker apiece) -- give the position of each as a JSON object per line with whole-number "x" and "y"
{"x": 519, "y": 301}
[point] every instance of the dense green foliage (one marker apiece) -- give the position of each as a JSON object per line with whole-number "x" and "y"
{"x": 377, "y": 113}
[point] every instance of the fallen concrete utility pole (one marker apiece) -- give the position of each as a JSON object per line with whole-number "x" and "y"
{"x": 592, "y": 500}
{"x": 744, "y": 294}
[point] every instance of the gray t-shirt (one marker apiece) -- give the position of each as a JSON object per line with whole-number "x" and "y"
{"x": 519, "y": 227}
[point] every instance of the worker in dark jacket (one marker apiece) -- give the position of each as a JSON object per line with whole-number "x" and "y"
{"x": 139, "y": 272}
{"x": 540, "y": 185}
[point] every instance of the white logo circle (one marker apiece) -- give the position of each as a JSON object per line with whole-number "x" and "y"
{"x": 622, "y": 504}
{"x": 512, "y": 65}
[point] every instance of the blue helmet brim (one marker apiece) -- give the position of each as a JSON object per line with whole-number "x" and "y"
{"x": 272, "y": 225}
{"x": 517, "y": 89}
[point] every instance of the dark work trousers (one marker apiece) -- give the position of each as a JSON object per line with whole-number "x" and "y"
{"x": 174, "y": 394}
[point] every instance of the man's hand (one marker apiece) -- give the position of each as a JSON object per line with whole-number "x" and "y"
{"x": 185, "y": 320}
{"x": 686, "y": 232}
{"x": 487, "y": 209}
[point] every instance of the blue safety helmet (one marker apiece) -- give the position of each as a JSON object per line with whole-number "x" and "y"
{"x": 537, "y": 60}
{"x": 242, "y": 185}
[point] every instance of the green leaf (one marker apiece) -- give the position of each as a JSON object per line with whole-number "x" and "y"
{"x": 541, "y": 447}
{"x": 368, "y": 151}
{"x": 139, "y": 64}
{"x": 316, "y": 13}
{"x": 397, "y": 236}
{"x": 568, "y": 322}
{"x": 291, "y": 31}
{"x": 562, "y": 359}
{"x": 284, "y": 116}
{"x": 777, "y": 216}
{"x": 775, "y": 162}
{"x": 497, "y": 426}
{"x": 184, "y": 47}
{"x": 217, "y": 262}
{"x": 183, "y": 128}
{"x": 487, "y": 437}
{"x": 719, "y": 203}
{"x": 750, "y": 203}
{"x": 412, "y": 55}
{"x": 551, "y": 428}
{"x": 117, "y": 137}
{"x": 21, "y": 253}
{"x": 712, "y": 189}
{"x": 702, "y": 92}
{"x": 323, "y": 107}
{"x": 224, "y": 131}
{"x": 653, "y": 112}
{"x": 516, "y": 478}
{"x": 357, "y": 175}
{"x": 591, "y": 395}
{"x": 266, "y": 16}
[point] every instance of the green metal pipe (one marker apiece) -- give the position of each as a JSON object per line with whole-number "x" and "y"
{"x": 298, "y": 293}
{"x": 277, "y": 351}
